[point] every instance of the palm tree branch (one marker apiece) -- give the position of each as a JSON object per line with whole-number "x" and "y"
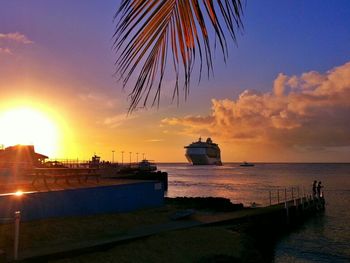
{"x": 148, "y": 31}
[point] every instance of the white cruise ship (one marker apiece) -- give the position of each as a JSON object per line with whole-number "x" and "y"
{"x": 203, "y": 153}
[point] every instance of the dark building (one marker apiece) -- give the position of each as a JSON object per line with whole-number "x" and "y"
{"x": 21, "y": 156}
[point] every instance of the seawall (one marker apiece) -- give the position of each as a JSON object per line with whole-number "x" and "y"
{"x": 83, "y": 200}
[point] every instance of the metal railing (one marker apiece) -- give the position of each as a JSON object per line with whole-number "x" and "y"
{"x": 279, "y": 196}
{"x": 294, "y": 193}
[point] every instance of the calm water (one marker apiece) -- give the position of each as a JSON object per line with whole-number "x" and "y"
{"x": 321, "y": 239}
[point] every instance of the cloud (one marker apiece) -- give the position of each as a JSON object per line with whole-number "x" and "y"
{"x": 279, "y": 84}
{"x": 9, "y": 41}
{"x": 16, "y": 37}
{"x": 5, "y": 51}
{"x": 154, "y": 140}
{"x": 117, "y": 120}
{"x": 100, "y": 99}
{"x": 307, "y": 111}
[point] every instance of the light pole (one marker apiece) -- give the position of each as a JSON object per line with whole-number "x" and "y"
{"x": 113, "y": 156}
{"x": 122, "y": 157}
{"x": 137, "y": 157}
{"x": 130, "y": 157}
{"x": 143, "y": 156}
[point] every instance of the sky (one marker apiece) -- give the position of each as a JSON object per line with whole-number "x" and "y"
{"x": 282, "y": 96}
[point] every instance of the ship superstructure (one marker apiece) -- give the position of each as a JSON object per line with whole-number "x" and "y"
{"x": 203, "y": 153}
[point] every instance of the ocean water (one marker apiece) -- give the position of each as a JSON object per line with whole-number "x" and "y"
{"x": 324, "y": 238}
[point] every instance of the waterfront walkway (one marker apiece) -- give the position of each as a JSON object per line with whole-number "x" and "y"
{"x": 294, "y": 210}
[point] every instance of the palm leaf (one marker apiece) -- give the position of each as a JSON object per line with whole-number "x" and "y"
{"x": 150, "y": 34}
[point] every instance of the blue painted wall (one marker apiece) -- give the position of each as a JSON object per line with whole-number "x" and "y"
{"x": 83, "y": 201}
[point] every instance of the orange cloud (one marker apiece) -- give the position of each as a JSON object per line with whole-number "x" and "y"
{"x": 307, "y": 111}
{"x": 105, "y": 101}
{"x": 117, "y": 120}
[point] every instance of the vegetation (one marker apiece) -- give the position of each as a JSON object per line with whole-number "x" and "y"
{"x": 41, "y": 236}
{"x": 190, "y": 245}
{"x": 57, "y": 231}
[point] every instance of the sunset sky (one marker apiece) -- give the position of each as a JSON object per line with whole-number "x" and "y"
{"x": 283, "y": 95}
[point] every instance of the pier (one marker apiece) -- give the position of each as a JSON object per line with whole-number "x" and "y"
{"x": 294, "y": 203}
{"x": 82, "y": 170}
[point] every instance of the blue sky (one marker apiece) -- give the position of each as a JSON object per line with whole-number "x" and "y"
{"x": 280, "y": 36}
{"x": 287, "y": 36}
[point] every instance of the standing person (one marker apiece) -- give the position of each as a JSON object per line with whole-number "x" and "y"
{"x": 314, "y": 185}
{"x": 319, "y": 187}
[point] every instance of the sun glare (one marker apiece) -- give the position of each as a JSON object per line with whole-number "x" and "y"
{"x": 29, "y": 126}
{"x": 18, "y": 193}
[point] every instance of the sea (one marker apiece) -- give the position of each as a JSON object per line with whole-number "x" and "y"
{"x": 323, "y": 238}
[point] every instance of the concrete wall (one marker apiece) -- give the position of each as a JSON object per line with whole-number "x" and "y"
{"x": 83, "y": 201}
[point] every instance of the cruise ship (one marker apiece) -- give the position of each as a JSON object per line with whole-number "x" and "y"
{"x": 203, "y": 153}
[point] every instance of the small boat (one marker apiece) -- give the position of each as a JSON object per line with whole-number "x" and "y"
{"x": 245, "y": 164}
{"x": 143, "y": 166}
{"x": 146, "y": 166}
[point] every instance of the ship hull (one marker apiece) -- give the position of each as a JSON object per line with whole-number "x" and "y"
{"x": 202, "y": 159}
{"x": 203, "y": 153}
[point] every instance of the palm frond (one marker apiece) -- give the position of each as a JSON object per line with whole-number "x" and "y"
{"x": 149, "y": 32}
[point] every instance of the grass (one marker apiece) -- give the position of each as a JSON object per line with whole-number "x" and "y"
{"x": 50, "y": 232}
{"x": 202, "y": 244}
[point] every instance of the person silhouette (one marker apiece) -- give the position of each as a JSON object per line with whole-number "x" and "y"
{"x": 314, "y": 186}
{"x": 319, "y": 187}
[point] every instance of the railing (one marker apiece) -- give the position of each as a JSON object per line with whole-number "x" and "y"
{"x": 69, "y": 163}
{"x": 283, "y": 195}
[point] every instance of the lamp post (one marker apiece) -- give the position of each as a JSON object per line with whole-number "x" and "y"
{"x": 122, "y": 157}
{"x": 143, "y": 156}
{"x": 17, "y": 221}
{"x": 130, "y": 158}
{"x": 137, "y": 157}
{"x": 113, "y": 156}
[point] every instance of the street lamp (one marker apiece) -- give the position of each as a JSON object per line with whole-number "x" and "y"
{"x": 130, "y": 157}
{"x": 122, "y": 157}
{"x": 143, "y": 156}
{"x": 113, "y": 156}
{"x": 137, "y": 157}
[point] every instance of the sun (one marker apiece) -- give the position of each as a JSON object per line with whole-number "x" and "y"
{"x": 26, "y": 125}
